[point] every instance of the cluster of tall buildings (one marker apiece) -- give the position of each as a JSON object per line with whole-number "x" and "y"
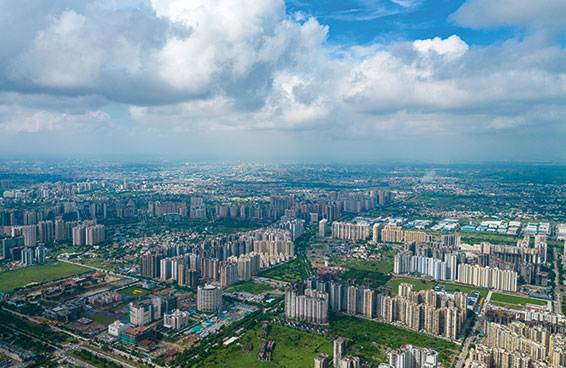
{"x": 527, "y": 261}
{"x": 239, "y": 268}
{"x": 226, "y": 259}
{"x": 407, "y": 263}
{"x": 409, "y": 356}
{"x": 296, "y": 227}
{"x": 425, "y": 311}
{"x": 309, "y": 305}
{"x": 351, "y": 230}
{"x": 396, "y": 234}
{"x": 15, "y": 249}
{"x": 181, "y": 269}
{"x": 160, "y": 209}
{"x": 88, "y": 234}
{"x": 519, "y": 345}
{"x": 488, "y": 277}
{"x": 148, "y": 310}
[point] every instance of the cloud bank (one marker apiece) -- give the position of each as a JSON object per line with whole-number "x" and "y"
{"x": 245, "y": 70}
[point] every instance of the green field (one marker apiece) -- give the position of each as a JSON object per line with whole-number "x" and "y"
{"x": 293, "y": 348}
{"x": 465, "y": 289}
{"x": 366, "y": 334}
{"x": 476, "y": 237}
{"x": 134, "y": 291}
{"x": 373, "y": 272}
{"x": 419, "y": 284}
{"x": 249, "y": 287}
{"x": 292, "y": 271}
{"x": 510, "y": 300}
{"x": 41, "y": 273}
{"x": 97, "y": 317}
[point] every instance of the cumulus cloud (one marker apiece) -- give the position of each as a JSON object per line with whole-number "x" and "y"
{"x": 451, "y": 48}
{"x": 502, "y": 13}
{"x": 175, "y": 67}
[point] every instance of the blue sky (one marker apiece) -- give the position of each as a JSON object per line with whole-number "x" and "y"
{"x": 323, "y": 80}
{"x": 364, "y": 22}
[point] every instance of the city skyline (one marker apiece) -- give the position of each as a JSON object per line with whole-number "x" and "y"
{"x": 395, "y": 80}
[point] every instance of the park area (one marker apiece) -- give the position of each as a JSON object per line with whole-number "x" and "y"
{"x": 293, "y": 348}
{"x": 370, "y": 338}
{"x": 38, "y": 274}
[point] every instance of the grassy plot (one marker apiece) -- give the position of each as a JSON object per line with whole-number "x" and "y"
{"x": 41, "y": 273}
{"x": 249, "y": 287}
{"x": 370, "y": 339}
{"x": 465, "y": 289}
{"x": 134, "y": 291}
{"x": 515, "y": 300}
{"x": 374, "y": 272}
{"x": 293, "y": 348}
{"x": 476, "y": 237}
{"x": 98, "y": 317}
{"x": 292, "y": 271}
{"x": 418, "y": 284}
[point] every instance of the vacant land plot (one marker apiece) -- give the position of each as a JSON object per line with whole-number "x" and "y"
{"x": 249, "y": 287}
{"x": 41, "y": 273}
{"x": 98, "y": 317}
{"x": 292, "y": 271}
{"x": 375, "y": 273}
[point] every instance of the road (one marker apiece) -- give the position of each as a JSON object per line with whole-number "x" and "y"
{"x": 50, "y": 326}
{"x": 557, "y": 288}
{"x": 468, "y": 341}
{"x": 59, "y": 352}
{"x": 107, "y": 357}
{"x": 488, "y": 297}
{"x": 62, "y": 259}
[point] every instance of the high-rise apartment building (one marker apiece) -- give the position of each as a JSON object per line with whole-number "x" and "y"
{"x": 209, "y": 298}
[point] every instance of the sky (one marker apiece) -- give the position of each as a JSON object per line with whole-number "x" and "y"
{"x": 323, "y": 80}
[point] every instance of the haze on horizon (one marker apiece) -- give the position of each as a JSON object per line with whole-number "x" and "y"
{"x": 479, "y": 80}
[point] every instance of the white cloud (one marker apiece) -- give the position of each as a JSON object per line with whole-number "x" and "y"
{"x": 451, "y": 48}
{"x": 41, "y": 121}
{"x": 178, "y": 67}
{"x": 498, "y": 13}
